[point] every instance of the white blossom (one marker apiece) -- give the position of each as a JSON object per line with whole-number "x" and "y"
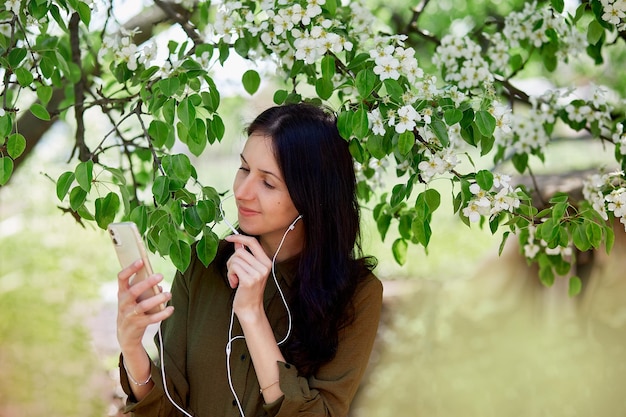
{"x": 13, "y": 5}
{"x": 376, "y": 122}
{"x": 387, "y": 67}
{"x": 407, "y": 116}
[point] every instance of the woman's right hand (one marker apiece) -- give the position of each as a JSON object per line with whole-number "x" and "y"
{"x": 132, "y": 316}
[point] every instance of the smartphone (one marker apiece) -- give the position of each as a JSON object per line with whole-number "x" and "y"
{"x": 129, "y": 247}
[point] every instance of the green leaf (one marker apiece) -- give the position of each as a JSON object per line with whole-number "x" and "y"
{"x": 64, "y": 183}
{"x": 139, "y": 215}
{"x": 360, "y": 123}
{"x": 594, "y": 233}
{"x": 595, "y": 31}
{"x": 376, "y": 146}
{"x": 77, "y": 197}
{"x": 324, "y": 88}
{"x": 62, "y": 63}
{"x": 106, "y": 209}
{"x": 16, "y": 56}
{"x": 394, "y": 89}
{"x": 5, "y": 126}
{"x": 485, "y": 122}
{"x": 546, "y": 275}
{"x": 16, "y": 145}
{"x": 206, "y": 210}
{"x": 280, "y": 96}
{"x": 344, "y": 124}
{"x": 422, "y": 231}
{"x": 198, "y": 136}
{"x": 251, "y": 81}
{"x": 484, "y": 179}
{"x": 486, "y": 144}
{"x": 180, "y": 254}
{"x": 575, "y": 286}
{"x": 365, "y": 82}
{"x": 505, "y": 236}
{"x": 211, "y": 99}
{"x": 330, "y": 6}
{"x": 357, "y": 151}
{"x": 516, "y": 62}
{"x": 39, "y": 111}
{"x": 217, "y": 127}
{"x": 520, "y": 162}
{"x": 382, "y": 224}
{"x": 44, "y": 93}
{"x": 558, "y": 5}
{"x": 207, "y": 247}
{"x": 84, "y": 12}
{"x": 580, "y": 239}
{"x": 404, "y": 226}
{"x": 328, "y": 67}
{"x": 84, "y": 174}
{"x": 453, "y": 116}
{"x": 432, "y": 199}
{"x": 406, "y": 140}
{"x": 548, "y": 230}
{"x": 24, "y": 77}
{"x": 399, "y": 249}
{"x": 159, "y": 132}
{"x": 558, "y": 211}
{"x": 192, "y": 219}
{"x": 169, "y": 110}
{"x": 6, "y": 169}
{"x": 550, "y": 61}
{"x": 609, "y": 238}
{"x": 397, "y": 195}
{"x": 440, "y": 130}
{"x": 169, "y": 86}
{"x": 186, "y": 112}
{"x": 161, "y": 189}
{"x": 177, "y": 167}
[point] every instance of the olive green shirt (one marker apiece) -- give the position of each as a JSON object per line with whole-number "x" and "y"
{"x": 195, "y": 339}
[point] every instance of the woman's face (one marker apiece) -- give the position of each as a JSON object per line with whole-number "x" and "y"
{"x": 263, "y": 203}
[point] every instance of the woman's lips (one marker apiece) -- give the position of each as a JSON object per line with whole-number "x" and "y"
{"x": 246, "y": 212}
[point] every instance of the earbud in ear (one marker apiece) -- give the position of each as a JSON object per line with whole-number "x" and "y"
{"x": 293, "y": 224}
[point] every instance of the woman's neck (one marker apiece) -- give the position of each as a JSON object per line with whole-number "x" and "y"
{"x": 292, "y": 245}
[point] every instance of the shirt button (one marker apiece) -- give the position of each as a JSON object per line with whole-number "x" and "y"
{"x": 234, "y": 403}
{"x": 287, "y": 366}
{"x": 243, "y": 357}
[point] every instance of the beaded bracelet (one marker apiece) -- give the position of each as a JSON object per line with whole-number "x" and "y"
{"x": 133, "y": 380}
{"x": 269, "y": 386}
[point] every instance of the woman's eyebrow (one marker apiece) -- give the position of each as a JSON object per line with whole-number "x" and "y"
{"x": 262, "y": 170}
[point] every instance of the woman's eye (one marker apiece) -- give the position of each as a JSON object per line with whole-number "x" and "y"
{"x": 268, "y": 185}
{"x": 244, "y": 169}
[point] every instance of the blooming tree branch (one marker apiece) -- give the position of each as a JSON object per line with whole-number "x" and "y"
{"x": 421, "y": 121}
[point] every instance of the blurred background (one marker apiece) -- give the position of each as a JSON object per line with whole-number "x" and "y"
{"x": 465, "y": 332}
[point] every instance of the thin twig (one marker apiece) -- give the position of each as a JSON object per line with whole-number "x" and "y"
{"x": 79, "y": 91}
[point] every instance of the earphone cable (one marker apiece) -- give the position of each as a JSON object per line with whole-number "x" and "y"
{"x": 232, "y": 318}
{"x": 167, "y": 393}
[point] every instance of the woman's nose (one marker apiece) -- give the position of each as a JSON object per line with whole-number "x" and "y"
{"x": 243, "y": 189}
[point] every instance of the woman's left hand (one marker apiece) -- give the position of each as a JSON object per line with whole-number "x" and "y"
{"x": 248, "y": 270}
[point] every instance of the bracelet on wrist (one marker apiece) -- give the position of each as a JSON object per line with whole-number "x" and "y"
{"x": 269, "y": 386}
{"x": 133, "y": 380}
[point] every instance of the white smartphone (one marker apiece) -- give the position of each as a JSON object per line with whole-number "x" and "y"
{"x": 129, "y": 247}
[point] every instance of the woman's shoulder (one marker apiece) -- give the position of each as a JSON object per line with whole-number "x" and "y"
{"x": 369, "y": 286}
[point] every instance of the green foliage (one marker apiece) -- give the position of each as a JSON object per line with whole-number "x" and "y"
{"x": 421, "y": 102}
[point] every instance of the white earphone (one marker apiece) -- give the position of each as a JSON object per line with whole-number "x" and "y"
{"x": 232, "y": 316}
{"x": 231, "y": 339}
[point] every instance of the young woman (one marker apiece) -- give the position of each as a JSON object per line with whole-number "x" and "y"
{"x": 283, "y": 321}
